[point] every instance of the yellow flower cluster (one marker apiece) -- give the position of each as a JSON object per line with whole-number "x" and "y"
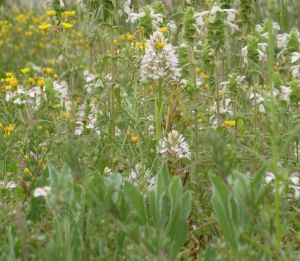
{"x": 41, "y": 82}
{"x": 25, "y": 70}
{"x": 164, "y": 29}
{"x": 51, "y": 13}
{"x": 10, "y": 82}
{"x": 127, "y": 37}
{"x": 68, "y": 13}
{"x": 141, "y": 45}
{"x": 160, "y": 45}
{"x": 48, "y": 70}
{"x": 27, "y": 171}
{"x": 131, "y": 38}
{"x": 229, "y": 123}
{"x": 8, "y": 130}
{"x": 45, "y": 27}
{"x": 200, "y": 72}
{"x": 67, "y": 26}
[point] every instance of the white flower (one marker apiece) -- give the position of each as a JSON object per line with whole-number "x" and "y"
{"x": 174, "y": 146}
{"x": 295, "y": 57}
{"x": 295, "y": 71}
{"x": 225, "y": 106}
{"x": 11, "y": 185}
{"x": 172, "y": 26}
{"x": 229, "y": 13}
{"x": 199, "y": 17}
{"x": 156, "y": 19}
{"x": 19, "y": 101}
{"x": 34, "y": 92}
{"x": 261, "y": 50}
{"x": 140, "y": 176}
{"x": 296, "y": 191}
{"x": 282, "y": 40}
{"x": 269, "y": 177}
{"x": 161, "y": 62}
{"x": 61, "y": 91}
{"x": 259, "y": 28}
{"x": 78, "y": 130}
{"x": 285, "y": 93}
{"x": 276, "y": 26}
{"x": 41, "y": 192}
{"x": 88, "y": 76}
{"x": 295, "y": 178}
{"x": 107, "y": 170}
{"x": 91, "y": 121}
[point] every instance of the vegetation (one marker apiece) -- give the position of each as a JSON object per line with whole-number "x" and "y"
{"x": 149, "y": 130}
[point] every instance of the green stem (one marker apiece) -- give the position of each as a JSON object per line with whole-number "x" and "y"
{"x": 217, "y": 91}
{"x": 275, "y": 139}
{"x": 159, "y": 110}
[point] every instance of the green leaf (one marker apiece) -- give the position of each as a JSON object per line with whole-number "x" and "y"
{"x": 136, "y": 200}
{"x": 222, "y": 205}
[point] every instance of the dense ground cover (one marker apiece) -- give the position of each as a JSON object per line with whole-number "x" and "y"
{"x": 149, "y": 130}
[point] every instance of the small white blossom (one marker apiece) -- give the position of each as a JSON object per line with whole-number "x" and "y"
{"x": 89, "y": 76}
{"x": 61, "y": 92}
{"x": 41, "y": 192}
{"x": 269, "y": 177}
{"x": 285, "y": 93}
{"x": 142, "y": 177}
{"x": 156, "y": 19}
{"x": 11, "y": 185}
{"x": 229, "y": 14}
{"x": 282, "y": 40}
{"x": 107, "y": 171}
{"x": 295, "y": 57}
{"x": 295, "y": 71}
{"x": 295, "y": 178}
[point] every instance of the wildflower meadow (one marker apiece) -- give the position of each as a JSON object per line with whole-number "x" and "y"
{"x": 149, "y": 130}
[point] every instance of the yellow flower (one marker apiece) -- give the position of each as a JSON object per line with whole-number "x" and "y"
{"x": 48, "y": 70}
{"x": 68, "y": 13}
{"x": 25, "y": 70}
{"x": 164, "y": 29}
{"x": 141, "y": 45}
{"x": 31, "y": 81}
{"x": 160, "y": 45}
{"x": 9, "y": 74}
{"x": 44, "y": 27}
{"x": 230, "y": 124}
{"x": 134, "y": 139}
{"x": 41, "y": 82}
{"x": 8, "y": 130}
{"x": 27, "y": 171}
{"x": 197, "y": 70}
{"x": 203, "y": 75}
{"x": 13, "y": 83}
{"x": 115, "y": 41}
{"x": 123, "y": 37}
{"x": 129, "y": 37}
{"x": 67, "y": 25}
{"x": 51, "y": 13}
{"x": 64, "y": 114}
